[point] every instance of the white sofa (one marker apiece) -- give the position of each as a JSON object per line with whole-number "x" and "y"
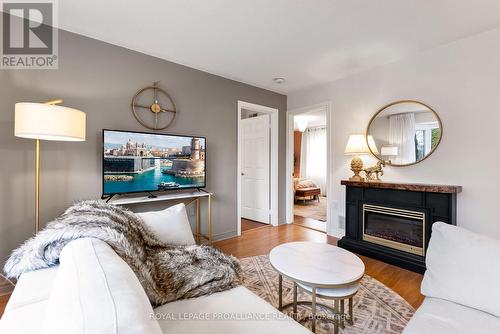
{"x": 94, "y": 291}
{"x": 461, "y": 284}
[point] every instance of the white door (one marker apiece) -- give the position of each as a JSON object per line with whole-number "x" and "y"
{"x": 255, "y": 168}
{"x": 289, "y": 170}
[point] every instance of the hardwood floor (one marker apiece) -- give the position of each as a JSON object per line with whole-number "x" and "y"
{"x": 6, "y": 288}
{"x": 311, "y": 223}
{"x": 311, "y": 214}
{"x": 3, "y": 302}
{"x": 261, "y": 241}
{"x": 247, "y": 224}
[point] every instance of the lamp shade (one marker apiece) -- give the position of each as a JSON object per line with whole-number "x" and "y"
{"x": 356, "y": 145}
{"x": 49, "y": 122}
{"x": 389, "y": 150}
{"x": 372, "y": 145}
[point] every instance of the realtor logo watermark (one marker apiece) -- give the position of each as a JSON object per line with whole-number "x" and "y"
{"x": 29, "y": 39}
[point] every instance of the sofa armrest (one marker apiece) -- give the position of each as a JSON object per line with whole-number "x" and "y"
{"x": 464, "y": 268}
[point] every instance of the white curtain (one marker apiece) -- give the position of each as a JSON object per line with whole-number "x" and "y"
{"x": 402, "y": 135}
{"x": 313, "y": 157}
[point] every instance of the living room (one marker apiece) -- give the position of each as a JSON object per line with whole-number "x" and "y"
{"x": 129, "y": 171}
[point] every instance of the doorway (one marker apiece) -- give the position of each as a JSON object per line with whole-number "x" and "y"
{"x": 257, "y": 194}
{"x": 308, "y": 164}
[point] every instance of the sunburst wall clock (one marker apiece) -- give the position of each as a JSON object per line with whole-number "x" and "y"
{"x": 153, "y": 107}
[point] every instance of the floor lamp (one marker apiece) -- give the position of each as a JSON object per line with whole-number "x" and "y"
{"x": 47, "y": 121}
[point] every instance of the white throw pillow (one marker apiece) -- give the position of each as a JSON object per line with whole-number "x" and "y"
{"x": 464, "y": 268}
{"x": 170, "y": 225}
{"x": 96, "y": 292}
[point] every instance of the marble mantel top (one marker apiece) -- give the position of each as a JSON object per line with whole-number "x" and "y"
{"x": 430, "y": 188}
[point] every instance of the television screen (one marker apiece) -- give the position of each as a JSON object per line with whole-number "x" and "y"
{"x": 144, "y": 162}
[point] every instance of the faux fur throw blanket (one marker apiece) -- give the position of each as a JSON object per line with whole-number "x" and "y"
{"x": 166, "y": 272}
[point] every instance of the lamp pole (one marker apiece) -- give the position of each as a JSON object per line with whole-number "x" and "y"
{"x": 37, "y": 175}
{"x": 37, "y": 187}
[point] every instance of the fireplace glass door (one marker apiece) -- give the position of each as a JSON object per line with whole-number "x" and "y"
{"x": 395, "y": 228}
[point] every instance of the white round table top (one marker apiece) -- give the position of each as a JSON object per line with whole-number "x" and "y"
{"x": 317, "y": 264}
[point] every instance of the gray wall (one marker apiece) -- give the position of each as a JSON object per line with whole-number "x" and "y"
{"x": 101, "y": 79}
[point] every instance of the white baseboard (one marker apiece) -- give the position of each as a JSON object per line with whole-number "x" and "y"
{"x": 225, "y": 235}
{"x": 337, "y": 233}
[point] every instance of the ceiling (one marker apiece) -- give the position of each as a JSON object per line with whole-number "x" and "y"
{"x": 311, "y": 119}
{"x": 254, "y": 41}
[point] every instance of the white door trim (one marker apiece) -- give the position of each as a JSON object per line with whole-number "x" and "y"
{"x": 331, "y": 220}
{"x": 273, "y": 205}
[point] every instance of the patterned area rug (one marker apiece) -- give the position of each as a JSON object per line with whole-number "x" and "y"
{"x": 377, "y": 309}
{"x": 311, "y": 209}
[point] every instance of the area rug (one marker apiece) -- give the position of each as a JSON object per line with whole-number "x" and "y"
{"x": 311, "y": 209}
{"x": 377, "y": 309}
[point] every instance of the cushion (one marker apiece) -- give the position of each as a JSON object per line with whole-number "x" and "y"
{"x": 233, "y": 311}
{"x": 306, "y": 184}
{"x": 95, "y": 291}
{"x": 170, "y": 225}
{"x": 438, "y": 316}
{"x": 463, "y": 267}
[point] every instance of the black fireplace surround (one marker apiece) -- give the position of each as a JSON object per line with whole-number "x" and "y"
{"x": 392, "y": 222}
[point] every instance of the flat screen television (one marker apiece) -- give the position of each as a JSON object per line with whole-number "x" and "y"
{"x": 146, "y": 162}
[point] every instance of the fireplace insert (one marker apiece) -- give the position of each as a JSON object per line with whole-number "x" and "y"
{"x": 395, "y": 228}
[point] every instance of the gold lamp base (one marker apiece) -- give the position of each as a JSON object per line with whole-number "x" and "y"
{"x": 357, "y": 167}
{"x": 37, "y": 186}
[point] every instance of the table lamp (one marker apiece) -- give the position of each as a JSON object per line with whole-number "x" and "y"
{"x": 357, "y": 145}
{"x": 389, "y": 151}
{"x": 47, "y": 121}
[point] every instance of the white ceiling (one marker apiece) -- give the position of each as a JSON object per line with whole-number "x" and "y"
{"x": 312, "y": 118}
{"x": 253, "y": 41}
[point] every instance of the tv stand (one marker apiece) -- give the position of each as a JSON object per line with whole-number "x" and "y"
{"x": 190, "y": 197}
{"x": 201, "y": 189}
{"x": 107, "y": 198}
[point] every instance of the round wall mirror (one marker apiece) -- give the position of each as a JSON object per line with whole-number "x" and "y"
{"x": 404, "y": 133}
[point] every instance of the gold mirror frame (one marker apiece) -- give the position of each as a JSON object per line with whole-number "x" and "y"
{"x": 390, "y": 105}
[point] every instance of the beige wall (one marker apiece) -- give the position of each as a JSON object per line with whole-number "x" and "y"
{"x": 101, "y": 79}
{"x": 461, "y": 81}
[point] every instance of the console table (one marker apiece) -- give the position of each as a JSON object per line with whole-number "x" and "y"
{"x": 392, "y": 222}
{"x": 194, "y": 197}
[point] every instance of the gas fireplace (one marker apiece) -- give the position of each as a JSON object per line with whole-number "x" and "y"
{"x": 399, "y": 229}
{"x": 392, "y": 222}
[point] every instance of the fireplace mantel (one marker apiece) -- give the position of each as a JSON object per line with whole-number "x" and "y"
{"x": 387, "y": 239}
{"x": 429, "y": 188}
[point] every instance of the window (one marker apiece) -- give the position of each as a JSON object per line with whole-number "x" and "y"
{"x": 426, "y": 138}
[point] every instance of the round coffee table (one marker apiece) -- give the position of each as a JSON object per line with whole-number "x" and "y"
{"x": 322, "y": 270}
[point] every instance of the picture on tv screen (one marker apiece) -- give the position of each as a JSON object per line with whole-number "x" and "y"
{"x": 145, "y": 162}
